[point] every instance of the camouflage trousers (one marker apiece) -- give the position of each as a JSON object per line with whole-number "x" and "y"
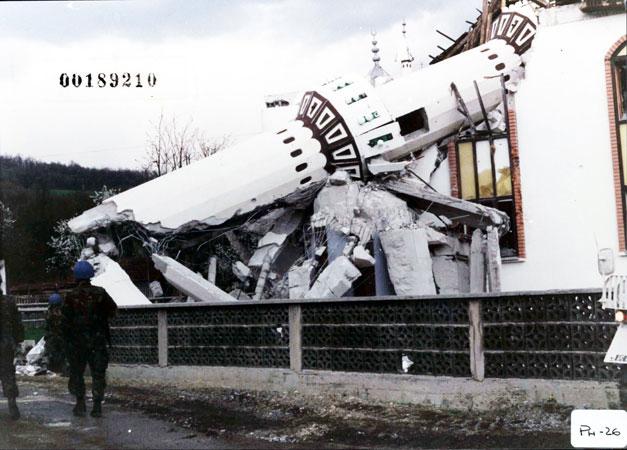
{"x": 55, "y": 352}
{"x": 7, "y": 368}
{"x": 97, "y": 357}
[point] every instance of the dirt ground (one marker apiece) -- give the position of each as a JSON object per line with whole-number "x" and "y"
{"x": 211, "y": 418}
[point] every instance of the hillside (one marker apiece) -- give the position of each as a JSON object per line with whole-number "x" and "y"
{"x": 40, "y": 194}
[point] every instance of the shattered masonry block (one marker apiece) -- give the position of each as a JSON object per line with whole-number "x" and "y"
{"x": 299, "y": 279}
{"x": 285, "y": 225}
{"x": 258, "y": 258}
{"x": 362, "y": 257}
{"x": 409, "y": 261}
{"x": 452, "y": 276}
{"x": 339, "y": 178}
{"x": 335, "y": 280}
{"x": 241, "y": 271}
{"x": 155, "y": 289}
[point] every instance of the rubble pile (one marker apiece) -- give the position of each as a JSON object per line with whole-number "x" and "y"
{"x": 388, "y": 233}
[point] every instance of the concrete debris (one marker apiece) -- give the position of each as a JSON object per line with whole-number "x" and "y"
{"x": 263, "y": 277}
{"x": 113, "y": 279}
{"x": 260, "y": 255}
{"x": 409, "y": 261}
{"x": 458, "y": 210}
{"x": 339, "y": 178}
{"x": 239, "y": 294}
{"x": 238, "y": 246}
{"x": 271, "y": 243}
{"x": 362, "y": 229}
{"x": 299, "y": 279}
{"x": 155, "y": 289}
{"x": 383, "y": 284}
{"x": 430, "y": 220}
{"x": 451, "y": 274}
{"x": 359, "y": 210}
{"x": 283, "y": 227}
{"x": 320, "y": 251}
{"x": 36, "y": 354}
{"x": 188, "y": 282}
{"x": 362, "y": 257}
{"x": 106, "y": 245}
{"x": 335, "y": 280}
{"x": 212, "y": 269}
{"x": 406, "y": 363}
{"x": 377, "y": 166}
{"x": 241, "y": 271}
{"x": 384, "y": 210}
{"x": 426, "y": 164}
{"x": 263, "y": 224}
{"x": 335, "y": 205}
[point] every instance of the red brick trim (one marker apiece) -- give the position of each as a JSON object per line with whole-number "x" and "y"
{"x": 516, "y": 186}
{"x": 611, "y": 110}
{"x": 452, "y": 164}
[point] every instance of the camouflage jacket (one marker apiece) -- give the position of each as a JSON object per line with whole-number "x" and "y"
{"x": 85, "y": 315}
{"x": 54, "y": 322}
{"x": 10, "y": 320}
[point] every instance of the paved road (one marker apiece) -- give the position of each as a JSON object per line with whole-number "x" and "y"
{"x": 47, "y": 422}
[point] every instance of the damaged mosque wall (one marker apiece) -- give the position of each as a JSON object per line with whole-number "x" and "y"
{"x": 356, "y": 190}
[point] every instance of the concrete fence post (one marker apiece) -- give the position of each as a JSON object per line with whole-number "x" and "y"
{"x": 296, "y": 333}
{"x": 162, "y": 337}
{"x": 477, "y": 357}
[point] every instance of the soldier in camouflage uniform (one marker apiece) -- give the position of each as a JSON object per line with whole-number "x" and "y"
{"x": 55, "y": 345}
{"x": 85, "y": 324}
{"x": 11, "y": 334}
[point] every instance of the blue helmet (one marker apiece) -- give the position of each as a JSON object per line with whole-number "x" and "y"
{"x": 55, "y": 299}
{"x": 83, "y": 270}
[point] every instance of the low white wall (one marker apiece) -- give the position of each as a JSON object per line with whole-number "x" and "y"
{"x": 441, "y": 392}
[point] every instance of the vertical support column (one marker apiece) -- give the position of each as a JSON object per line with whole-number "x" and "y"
{"x": 162, "y": 337}
{"x": 493, "y": 254}
{"x": 477, "y": 285}
{"x": 212, "y": 269}
{"x": 296, "y": 340}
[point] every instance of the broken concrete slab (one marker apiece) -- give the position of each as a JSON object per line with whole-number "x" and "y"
{"x": 113, "y": 279}
{"x": 282, "y": 228}
{"x": 241, "y": 271}
{"x": 377, "y": 166}
{"x": 362, "y": 257}
{"x": 299, "y": 279}
{"x": 409, "y": 261}
{"x": 335, "y": 280}
{"x": 260, "y": 255}
{"x": 339, "y": 178}
{"x": 457, "y": 210}
{"x": 188, "y": 282}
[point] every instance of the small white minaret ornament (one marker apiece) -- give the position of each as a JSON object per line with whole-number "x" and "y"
{"x": 377, "y": 74}
{"x": 404, "y": 55}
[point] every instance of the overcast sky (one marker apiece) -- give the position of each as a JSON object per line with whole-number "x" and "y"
{"x": 214, "y": 61}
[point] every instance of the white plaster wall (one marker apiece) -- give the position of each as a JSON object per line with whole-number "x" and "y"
{"x": 565, "y": 160}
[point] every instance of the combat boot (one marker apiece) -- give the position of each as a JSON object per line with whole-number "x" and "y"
{"x": 97, "y": 409}
{"x": 14, "y": 412}
{"x": 80, "y": 408}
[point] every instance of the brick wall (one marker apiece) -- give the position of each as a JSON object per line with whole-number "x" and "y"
{"x": 611, "y": 110}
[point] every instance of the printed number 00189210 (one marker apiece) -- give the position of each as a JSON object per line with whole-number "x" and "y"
{"x": 113, "y": 80}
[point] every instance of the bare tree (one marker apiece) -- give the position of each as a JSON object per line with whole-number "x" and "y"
{"x": 172, "y": 146}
